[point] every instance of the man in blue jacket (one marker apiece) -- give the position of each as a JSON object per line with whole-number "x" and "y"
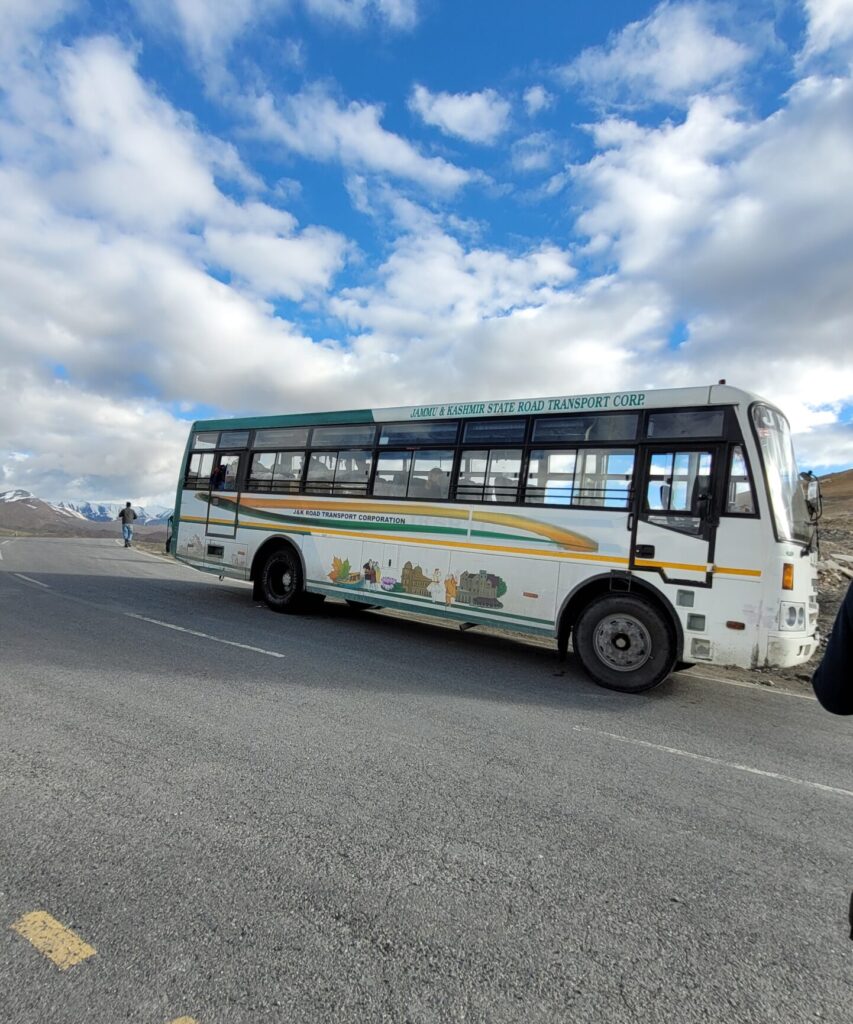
{"x": 833, "y": 680}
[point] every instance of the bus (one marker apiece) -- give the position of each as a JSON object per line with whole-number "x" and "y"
{"x": 651, "y": 529}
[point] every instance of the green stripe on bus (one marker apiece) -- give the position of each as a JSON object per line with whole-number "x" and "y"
{"x": 298, "y": 419}
{"x": 399, "y": 601}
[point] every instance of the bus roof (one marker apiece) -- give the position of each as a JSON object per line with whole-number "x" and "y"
{"x": 613, "y": 401}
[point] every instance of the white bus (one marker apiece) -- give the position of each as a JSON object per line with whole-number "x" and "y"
{"x": 652, "y": 528}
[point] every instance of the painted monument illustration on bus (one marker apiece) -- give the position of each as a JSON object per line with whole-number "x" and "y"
{"x": 481, "y": 589}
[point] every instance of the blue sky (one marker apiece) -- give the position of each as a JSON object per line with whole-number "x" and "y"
{"x": 212, "y": 207}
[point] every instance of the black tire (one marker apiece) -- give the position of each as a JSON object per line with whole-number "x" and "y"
{"x": 280, "y": 581}
{"x": 624, "y": 643}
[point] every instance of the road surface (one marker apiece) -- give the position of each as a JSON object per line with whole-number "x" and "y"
{"x": 212, "y": 813}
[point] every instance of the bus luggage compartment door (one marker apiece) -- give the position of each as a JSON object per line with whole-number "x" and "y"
{"x": 675, "y": 517}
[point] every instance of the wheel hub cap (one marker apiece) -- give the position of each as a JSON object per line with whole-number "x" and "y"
{"x": 622, "y": 642}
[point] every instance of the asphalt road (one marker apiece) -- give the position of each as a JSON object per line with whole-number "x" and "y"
{"x": 354, "y": 817}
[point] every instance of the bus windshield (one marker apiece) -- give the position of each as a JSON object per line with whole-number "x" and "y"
{"x": 790, "y": 511}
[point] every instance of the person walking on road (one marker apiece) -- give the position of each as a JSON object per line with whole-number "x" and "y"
{"x": 127, "y": 516}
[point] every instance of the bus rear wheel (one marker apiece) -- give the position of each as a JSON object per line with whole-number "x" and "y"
{"x": 624, "y": 643}
{"x": 280, "y": 581}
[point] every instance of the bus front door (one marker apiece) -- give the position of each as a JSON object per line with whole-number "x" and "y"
{"x": 675, "y": 519}
{"x": 222, "y": 507}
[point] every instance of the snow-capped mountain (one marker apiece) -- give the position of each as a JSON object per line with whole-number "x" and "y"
{"x": 22, "y": 510}
{"x": 107, "y": 511}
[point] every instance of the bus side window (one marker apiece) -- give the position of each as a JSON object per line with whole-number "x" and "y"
{"x": 392, "y": 474}
{"x": 603, "y": 477}
{"x": 430, "y": 477}
{"x": 198, "y": 471}
{"x": 677, "y": 482}
{"x": 504, "y": 470}
{"x": 471, "y": 483}
{"x": 739, "y": 498}
{"x": 321, "y": 472}
{"x": 550, "y": 478}
{"x": 261, "y": 472}
{"x": 352, "y": 472}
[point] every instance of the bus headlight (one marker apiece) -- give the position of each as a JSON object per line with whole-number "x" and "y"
{"x": 792, "y": 616}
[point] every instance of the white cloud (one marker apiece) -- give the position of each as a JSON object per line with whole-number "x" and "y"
{"x": 279, "y": 265}
{"x": 743, "y": 226}
{"x": 22, "y": 20}
{"x": 115, "y": 222}
{"x": 315, "y": 125}
{"x": 536, "y": 99}
{"x": 399, "y": 14}
{"x": 209, "y": 28}
{"x": 669, "y": 56}
{"x": 431, "y": 278}
{"x": 123, "y": 138}
{"x": 109, "y": 215}
{"x": 76, "y": 444}
{"x": 533, "y": 152}
{"x": 474, "y": 116}
{"x": 653, "y": 186}
{"x": 830, "y": 24}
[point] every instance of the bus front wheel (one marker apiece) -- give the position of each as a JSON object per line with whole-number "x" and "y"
{"x": 281, "y": 581}
{"x": 624, "y": 643}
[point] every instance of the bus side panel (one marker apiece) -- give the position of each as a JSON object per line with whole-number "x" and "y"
{"x": 190, "y": 532}
{"x": 503, "y": 586}
{"x": 332, "y": 560}
{"x": 738, "y": 595}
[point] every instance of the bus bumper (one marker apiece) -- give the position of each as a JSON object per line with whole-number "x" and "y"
{"x": 785, "y": 650}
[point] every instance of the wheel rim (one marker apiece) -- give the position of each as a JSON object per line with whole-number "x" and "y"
{"x": 281, "y": 580}
{"x": 622, "y": 642}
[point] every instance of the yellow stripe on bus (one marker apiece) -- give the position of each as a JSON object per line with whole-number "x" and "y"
{"x": 648, "y": 563}
{"x": 396, "y": 539}
{"x": 565, "y": 538}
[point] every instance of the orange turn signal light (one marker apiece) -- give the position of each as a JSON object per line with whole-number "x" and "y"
{"x": 787, "y": 575}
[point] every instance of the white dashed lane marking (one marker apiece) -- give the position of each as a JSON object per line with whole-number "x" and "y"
{"x": 672, "y": 751}
{"x": 748, "y": 686}
{"x": 706, "y": 759}
{"x": 29, "y": 579}
{"x": 205, "y": 636}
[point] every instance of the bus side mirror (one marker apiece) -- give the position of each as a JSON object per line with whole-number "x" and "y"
{"x": 814, "y": 500}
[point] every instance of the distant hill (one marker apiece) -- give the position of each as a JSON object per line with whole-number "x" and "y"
{"x": 837, "y": 486}
{"x": 23, "y": 512}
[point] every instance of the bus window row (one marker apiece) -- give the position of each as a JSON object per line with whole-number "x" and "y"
{"x": 677, "y": 482}
{"x": 592, "y": 477}
{"x": 545, "y": 431}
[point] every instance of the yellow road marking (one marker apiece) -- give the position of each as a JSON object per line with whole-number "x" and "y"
{"x": 184, "y": 1020}
{"x": 57, "y": 942}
